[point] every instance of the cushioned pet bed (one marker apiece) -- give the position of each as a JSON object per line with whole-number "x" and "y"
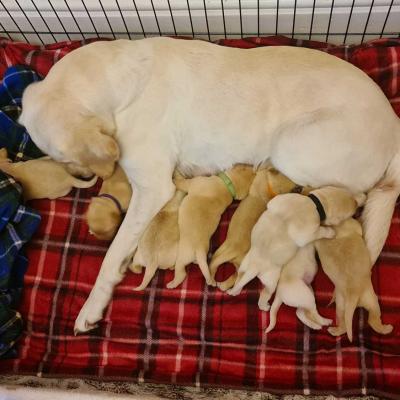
{"x": 197, "y": 335}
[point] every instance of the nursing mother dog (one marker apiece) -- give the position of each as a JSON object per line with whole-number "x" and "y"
{"x": 161, "y": 103}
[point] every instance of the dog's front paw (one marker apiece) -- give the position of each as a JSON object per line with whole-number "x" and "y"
{"x": 91, "y": 312}
{"x": 85, "y": 321}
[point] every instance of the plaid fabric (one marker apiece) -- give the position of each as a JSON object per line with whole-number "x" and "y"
{"x": 195, "y": 334}
{"x": 17, "y": 222}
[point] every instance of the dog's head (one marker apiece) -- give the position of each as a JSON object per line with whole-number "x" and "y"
{"x": 65, "y": 131}
{"x": 339, "y": 204}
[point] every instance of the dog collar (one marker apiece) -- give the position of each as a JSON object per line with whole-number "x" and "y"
{"x": 114, "y": 200}
{"x": 228, "y": 183}
{"x": 320, "y": 207}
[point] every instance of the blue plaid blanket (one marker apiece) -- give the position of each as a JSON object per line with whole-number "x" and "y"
{"x": 17, "y": 222}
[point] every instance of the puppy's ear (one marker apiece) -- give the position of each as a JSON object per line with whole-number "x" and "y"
{"x": 101, "y": 150}
{"x": 360, "y": 199}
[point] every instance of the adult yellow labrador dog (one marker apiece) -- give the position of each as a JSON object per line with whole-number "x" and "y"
{"x": 162, "y": 103}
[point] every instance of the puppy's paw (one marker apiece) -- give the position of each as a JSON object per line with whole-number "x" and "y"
{"x": 224, "y": 286}
{"x": 175, "y": 283}
{"x": 384, "y": 329}
{"x": 233, "y": 291}
{"x": 211, "y": 282}
{"x": 136, "y": 269}
{"x": 263, "y": 306}
{"x": 336, "y": 330}
{"x": 324, "y": 321}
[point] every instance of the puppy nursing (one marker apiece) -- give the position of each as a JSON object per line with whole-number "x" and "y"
{"x": 346, "y": 261}
{"x": 267, "y": 184}
{"x": 42, "y": 178}
{"x": 294, "y": 289}
{"x": 158, "y": 246}
{"x": 200, "y": 213}
{"x": 290, "y": 222}
{"x": 106, "y": 210}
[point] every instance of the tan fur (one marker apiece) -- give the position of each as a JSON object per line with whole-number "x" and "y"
{"x": 200, "y": 213}
{"x": 42, "y": 178}
{"x": 294, "y": 289}
{"x": 103, "y": 216}
{"x": 290, "y": 222}
{"x": 159, "y": 244}
{"x": 346, "y": 261}
{"x": 267, "y": 183}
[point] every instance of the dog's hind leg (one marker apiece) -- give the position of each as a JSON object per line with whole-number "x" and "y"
{"x": 270, "y": 280}
{"x": 369, "y": 300}
{"x": 149, "y": 272}
{"x": 227, "y": 283}
{"x": 242, "y": 279}
{"x": 273, "y": 312}
{"x": 301, "y": 315}
{"x": 340, "y": 327}
{"x": 201, "y": 257}
{"x": 263, "y": 300}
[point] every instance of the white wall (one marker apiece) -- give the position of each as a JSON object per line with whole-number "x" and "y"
{"x": 267, "y": 17}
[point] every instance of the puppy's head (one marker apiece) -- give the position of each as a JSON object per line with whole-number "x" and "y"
{"x": 339, "y": 204}
{"x": 103, "y": 218}
{"x": 242, "y": 176}
{"x": 67, "y": 132}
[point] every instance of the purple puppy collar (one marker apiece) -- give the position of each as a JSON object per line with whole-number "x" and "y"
{"x": 114, "y": 200}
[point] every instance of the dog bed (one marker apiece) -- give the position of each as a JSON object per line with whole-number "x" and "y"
{"x": 197, "y": 335}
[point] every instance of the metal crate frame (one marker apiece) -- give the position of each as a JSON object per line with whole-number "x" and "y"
{"x": 20, "y": 17}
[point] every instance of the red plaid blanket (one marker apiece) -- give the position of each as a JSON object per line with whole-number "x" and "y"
{"x": 196, "y": 334}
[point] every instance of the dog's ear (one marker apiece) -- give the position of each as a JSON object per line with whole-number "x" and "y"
{"x": 101, "y": 150}
{"x": 360, "y": 199}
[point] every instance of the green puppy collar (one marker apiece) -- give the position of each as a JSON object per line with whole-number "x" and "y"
{"x": 228, "y": 183}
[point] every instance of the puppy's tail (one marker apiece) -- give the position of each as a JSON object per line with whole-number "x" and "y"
{"x": 379, "y": 207}
{"x": 225, "y": 253}
{"x": 349, "y": 308}
{"x": 81, "y": 184}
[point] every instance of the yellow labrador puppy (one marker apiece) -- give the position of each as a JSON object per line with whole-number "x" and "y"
{"x": 42, "y": 178}
{"x": 346, "y": 261}
{"x": 107, "y": 209}
{"x": 200, "y": 213}
{"x": 294, "y": 289}
{"x": 290, "y": 222}
{"x": 159, "y": 244}
{"x": 267, "y": 184}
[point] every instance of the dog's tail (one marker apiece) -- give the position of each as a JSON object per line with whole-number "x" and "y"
{"x": 82, "y": 184}
{"x": 273, "y": 312}
{"x": 225, "y": 253}
{"x": 379, "y": 207}
{"x": 349, "y": 308}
